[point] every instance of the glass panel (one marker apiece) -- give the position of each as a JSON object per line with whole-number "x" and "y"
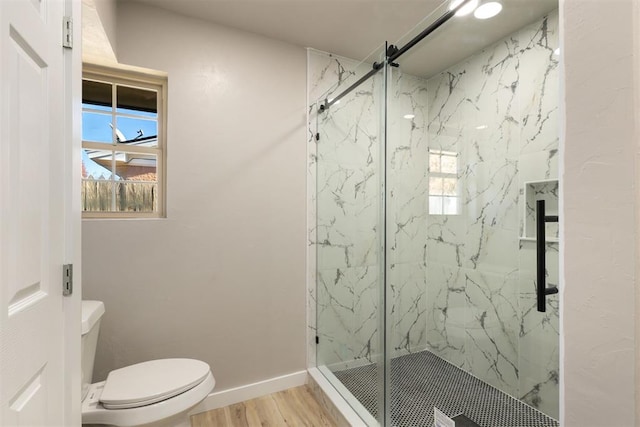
{"x": 450, "y": 205}
{"x": 135, "y": 196}
{"x": 138, "y": 131}
{"x": 97, "y": 95}
{"x": 96, "y": 127}
{"x": 97, "y": 164}
{"x": 435, "y": 205}
{"x": 136, "y": 166}
{"x": 435, "y": 185}
{"x": 137, "y": 101}
{"x": 449, "y": 186}
{"x": 434, "y": 163}
{"x": 97, "y": 195}
{"x": 483, "y": 96}
{"x": 349, "y": 260}
{"x": 97, "y": 180}
{"x": 449, "y": 164}
{"x": 137, "y": 188}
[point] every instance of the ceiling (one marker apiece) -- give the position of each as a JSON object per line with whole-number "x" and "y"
{"x": 351, "y": 28}
{"x": 355, "y": 28}
{"x": 461, "y": 37}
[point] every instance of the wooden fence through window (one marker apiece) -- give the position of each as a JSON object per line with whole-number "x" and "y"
{"x": 130, "y": 196}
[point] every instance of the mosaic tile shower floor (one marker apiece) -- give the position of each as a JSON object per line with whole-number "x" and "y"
{"x": 420, "y": 381}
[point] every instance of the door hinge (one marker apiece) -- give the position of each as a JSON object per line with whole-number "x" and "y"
{"x": 67, "y": 32}
{"x": 317, "y": 339}
{"x": 67, "y": 279}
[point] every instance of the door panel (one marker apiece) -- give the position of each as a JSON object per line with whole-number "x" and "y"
{"x": 32, "y": 198}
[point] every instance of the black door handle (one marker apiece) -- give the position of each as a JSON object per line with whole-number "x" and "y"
{"x": 541, "y": 289}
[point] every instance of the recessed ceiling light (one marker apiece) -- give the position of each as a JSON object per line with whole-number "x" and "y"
{"x": 481, "y": 127}
{"x": 466, "y": 9}
{"x": 557, "y": 52}
{"x": 488, "y": 10}
{"x": 409, "y": 116}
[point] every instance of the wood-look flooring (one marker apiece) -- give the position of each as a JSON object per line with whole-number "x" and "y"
{"x": 294, "y": 407}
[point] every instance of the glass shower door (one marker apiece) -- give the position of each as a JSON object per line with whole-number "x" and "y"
{"x": 348, "y": 235}
{"x": 427, "y": 177}
{"x": 471, "y": 146}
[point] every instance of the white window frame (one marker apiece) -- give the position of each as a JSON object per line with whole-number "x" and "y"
{"x": 449, "y": 175}
{"x": 144, "y": 79}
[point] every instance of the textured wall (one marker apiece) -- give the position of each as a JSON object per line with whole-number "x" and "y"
{"x": 222, "y": 278}
{"x": 600, "y": 212}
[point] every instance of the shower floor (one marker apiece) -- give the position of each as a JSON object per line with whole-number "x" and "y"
{"x": 420, "y": 381}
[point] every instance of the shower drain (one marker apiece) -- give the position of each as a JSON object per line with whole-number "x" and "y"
{"x": 422, "y": 380}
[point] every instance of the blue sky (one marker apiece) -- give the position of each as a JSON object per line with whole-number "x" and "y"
{"x": 97, "y": 127}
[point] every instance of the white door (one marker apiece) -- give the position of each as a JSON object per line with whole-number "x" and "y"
{"x": 32, "y": 213}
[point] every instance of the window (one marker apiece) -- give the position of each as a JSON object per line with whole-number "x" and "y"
{"x": 444, "y": 194}
{"x": 123, "y": 143}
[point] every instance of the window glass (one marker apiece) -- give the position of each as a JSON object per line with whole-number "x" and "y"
{"x": 138, "y": 131}
{"x": 97, "y": 95}
{"x": 435, "y": 205}
{"x": 435, "y": 185}
{"x": 96, "y": 164}
{"x": 449, "y": 164}
{"x": 96, "y": 127}
{"x": 133, "y": 100}
{"x": 137, "y": 188}
{"x": 449, "y": 186}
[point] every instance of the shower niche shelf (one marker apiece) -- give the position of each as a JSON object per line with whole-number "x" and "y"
{"x": 546, "y": 190}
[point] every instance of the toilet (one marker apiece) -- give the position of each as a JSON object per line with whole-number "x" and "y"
{"x": 157, "y": 393}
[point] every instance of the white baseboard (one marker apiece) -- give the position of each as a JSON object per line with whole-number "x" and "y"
{"x": 220, "y": 399}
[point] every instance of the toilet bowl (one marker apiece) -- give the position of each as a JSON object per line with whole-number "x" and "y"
{"x": 156, "y": 393}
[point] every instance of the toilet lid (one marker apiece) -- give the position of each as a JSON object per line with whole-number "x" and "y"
{"x": 151, "y": 382}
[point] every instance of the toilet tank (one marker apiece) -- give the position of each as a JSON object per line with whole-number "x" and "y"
{"x": 92, "y": 312}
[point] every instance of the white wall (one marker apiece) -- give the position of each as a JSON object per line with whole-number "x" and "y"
{"x": 222, "y": 278}
{"x": 598, "y": 216}
{"x": 108, "y": 17}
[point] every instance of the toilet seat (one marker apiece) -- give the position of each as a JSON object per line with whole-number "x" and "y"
{"x": 151, "y": 382}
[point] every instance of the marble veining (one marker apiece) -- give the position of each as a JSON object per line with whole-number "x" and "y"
{"x": 549, "y": 191}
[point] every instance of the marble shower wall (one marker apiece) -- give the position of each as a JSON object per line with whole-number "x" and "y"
{"x": 498, "y": 111}
{"x": 345, "y": 216}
